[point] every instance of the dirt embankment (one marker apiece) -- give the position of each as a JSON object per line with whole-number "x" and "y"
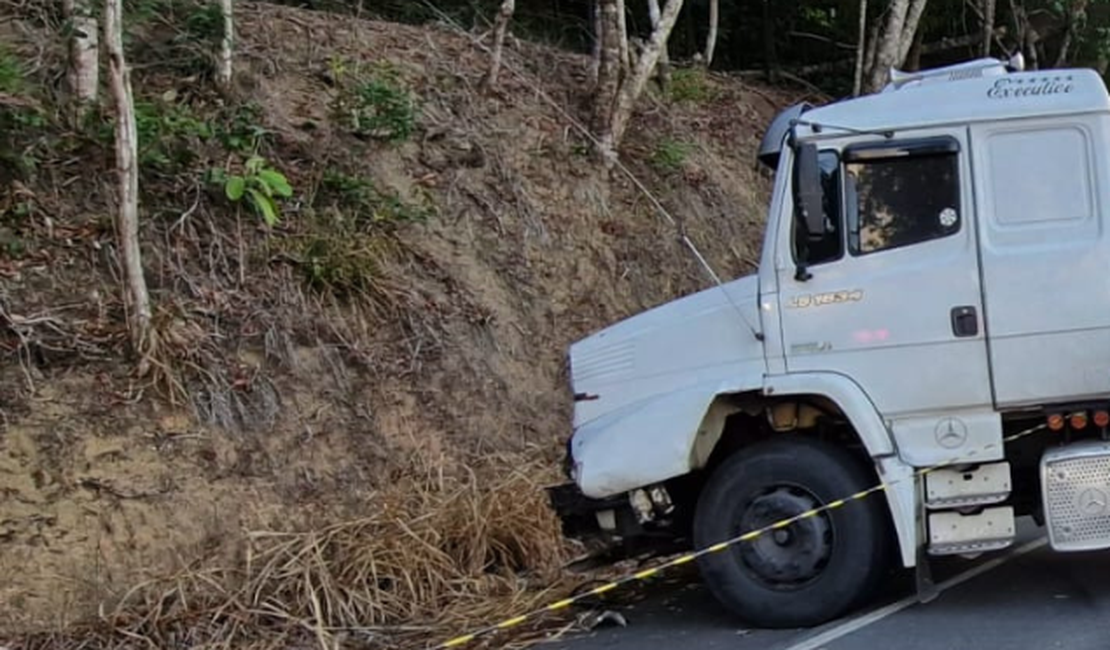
{"x": 369, "y": 395}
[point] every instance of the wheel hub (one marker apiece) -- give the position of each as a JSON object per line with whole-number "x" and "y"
{"x": 792, "y": 556}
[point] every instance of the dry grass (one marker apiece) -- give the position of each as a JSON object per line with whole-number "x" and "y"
{"x": 437, "y": 556}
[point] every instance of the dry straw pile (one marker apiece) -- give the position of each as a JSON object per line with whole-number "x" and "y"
{"x": 439, "y": 555}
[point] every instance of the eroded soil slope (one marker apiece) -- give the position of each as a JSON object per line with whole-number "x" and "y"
{"x": 390, "y": 352}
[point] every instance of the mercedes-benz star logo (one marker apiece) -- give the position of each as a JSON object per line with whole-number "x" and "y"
{"x": 951, "y": 433}
{"x": 1092, "y": 502}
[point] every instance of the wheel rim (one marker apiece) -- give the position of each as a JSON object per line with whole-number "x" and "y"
{"x": 791, "y": 557}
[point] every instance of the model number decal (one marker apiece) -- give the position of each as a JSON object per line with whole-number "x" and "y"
{"x": 819, "y": 299}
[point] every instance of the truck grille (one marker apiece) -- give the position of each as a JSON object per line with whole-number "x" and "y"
{"x": 1076, "y": 482}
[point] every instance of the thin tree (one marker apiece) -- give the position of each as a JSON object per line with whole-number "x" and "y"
{"x": 608, "y": 63}
{"x": 861, "y": 49}
{"x": 598, "y": 31}
{"x": 501, "y": 28}
{"x": 618, "y": 102}
{"x": 895, "y": 41}
{"x": 909, "y": 30}
{"x": 988, "y": 8}
{"x": 664, "y": 67}
{"x": 227, "y": 44}
{"x": 626, "y": 51}
{"x": 127, "y": 170}
{"x": 84, "y": 54}
{"x": 714, "y": 25}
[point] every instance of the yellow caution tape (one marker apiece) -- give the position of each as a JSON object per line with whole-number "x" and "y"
{"x": 716, "y": 548}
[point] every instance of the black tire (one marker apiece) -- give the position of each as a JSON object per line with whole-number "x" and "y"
{"x": 810, "y": 572}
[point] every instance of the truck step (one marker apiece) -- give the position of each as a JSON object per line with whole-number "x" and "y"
{"x": 955, "y": 488}
{"x": 952, "y": 533}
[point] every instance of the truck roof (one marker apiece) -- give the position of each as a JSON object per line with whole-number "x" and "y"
{"x": 976, "y": 91}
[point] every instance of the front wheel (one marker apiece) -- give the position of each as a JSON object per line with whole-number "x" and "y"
{"x": 811, "y": 571}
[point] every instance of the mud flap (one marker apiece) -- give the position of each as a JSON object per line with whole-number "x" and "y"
{"x": 923, "y": 572}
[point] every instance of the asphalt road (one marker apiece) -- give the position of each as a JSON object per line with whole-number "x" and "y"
{"x": 1026, "y": 597}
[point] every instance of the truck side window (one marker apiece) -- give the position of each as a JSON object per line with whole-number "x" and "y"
{"x": 902, "y": 201}
{"x": 830, "y": 246}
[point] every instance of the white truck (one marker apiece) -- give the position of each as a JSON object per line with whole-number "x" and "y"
{"x": 935, "y": 276}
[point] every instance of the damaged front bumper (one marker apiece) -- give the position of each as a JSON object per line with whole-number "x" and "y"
{"x": 586, "y": 519}
{"x": 617, "y": 527}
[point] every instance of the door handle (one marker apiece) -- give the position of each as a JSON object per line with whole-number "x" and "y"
{"x": 965, "y": 321}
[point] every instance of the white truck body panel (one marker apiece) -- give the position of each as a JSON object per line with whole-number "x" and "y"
{"x": 1042, "y": 188}
{"x": 645, "y": 384}
{"x": 906, "y": 357}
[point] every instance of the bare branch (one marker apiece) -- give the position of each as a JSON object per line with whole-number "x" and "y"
{"x": 227, "y": 44}
{"x": 714, "y": 24}
{"x": 84, "y": 54}
{"x": 861, "y": 49}
{"x": 128, "y": 172}
{"x": 508, "y": 7}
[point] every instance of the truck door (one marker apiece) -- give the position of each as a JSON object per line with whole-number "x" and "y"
{"x": 1041, "y": 189}
{"x": 893, "y": 300}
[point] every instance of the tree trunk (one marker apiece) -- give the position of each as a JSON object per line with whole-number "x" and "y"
{"x": 872, "y": 43}
{"x": 1017, "y": 14}
{"x": 84, "y": 55}
{"x": 711, "y": 39}
{"x": 913, "y": 58}
{"x": 988, "y": 26}
{"x": 909, "y": 29}
{"x": 609, "y": 65}
{"x": 664, "y": 67}
{"x": 599, "y": 29}
{"x": 886, "y": 48}
{"x": 626, "y": 54}
{"x": 1031, "y": 46}
{"x": 500, "y": 29}
{"x": 127, "y": 170}
{"x": 632, "y": 87}
{"x": 227, "y": 44}
{"x": 895, "y": 41}
{"x": 861, "y": 49}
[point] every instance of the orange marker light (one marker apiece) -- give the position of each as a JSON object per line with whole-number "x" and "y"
{"x": 1079, "y": 420}
{"x": 1102, "y": 419}
{"x": 1056, "y": 422}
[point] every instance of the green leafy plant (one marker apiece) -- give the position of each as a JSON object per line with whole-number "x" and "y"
{"x": 670, "y": 155}
{"x": 362, "y": 205}
{"x": 690, "y": 85}
{"x": 375, "y": 104}
{"x": 240, "y": 129}
{"x": 11, "y": 72}
{"x": 260, "y": 185}
{"x": 168, "y": 133}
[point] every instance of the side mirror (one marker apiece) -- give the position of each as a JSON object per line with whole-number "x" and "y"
{"x": 808, "y": 194}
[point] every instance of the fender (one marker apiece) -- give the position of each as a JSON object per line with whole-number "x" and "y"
{"x": 665, "y": 433}
{"x": 876, "y": 437}
{"x": 672, "y": 433}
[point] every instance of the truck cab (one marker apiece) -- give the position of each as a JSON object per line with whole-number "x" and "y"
{"x": 931, "y": 313}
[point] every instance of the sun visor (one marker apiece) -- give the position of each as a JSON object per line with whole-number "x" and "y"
{"x": 775, "y": 136}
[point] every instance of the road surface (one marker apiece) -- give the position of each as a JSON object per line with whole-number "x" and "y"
{"x": 1027, "y": 597}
